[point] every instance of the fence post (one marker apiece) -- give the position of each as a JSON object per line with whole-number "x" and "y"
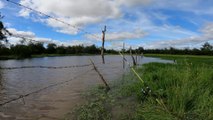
{"x": 101, "y": 76}
{"x": 133, "y": 59}
{"x": 103, "y": 41}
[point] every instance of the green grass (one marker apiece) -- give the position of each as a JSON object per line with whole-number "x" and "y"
{"x": 182, "y": 91}
{"x": 185, "y": 58}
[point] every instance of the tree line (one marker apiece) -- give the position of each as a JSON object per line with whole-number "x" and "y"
{"x": 206, "y": 49}
{"x": 23, "y": 51}
{"x": 27, "y": 50}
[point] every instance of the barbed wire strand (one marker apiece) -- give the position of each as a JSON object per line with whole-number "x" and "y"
{"x": 46, "y": 67}
{"x": 42, "y": 89}
{"x": 56, "y": 19}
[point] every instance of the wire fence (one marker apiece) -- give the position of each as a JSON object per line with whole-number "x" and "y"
{"x": 54, "y": 18}
{"x": 46, "y": 67}
{"x": 51, "y": 67}
{"x": 42, "y": 89}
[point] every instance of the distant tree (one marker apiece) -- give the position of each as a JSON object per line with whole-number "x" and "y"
{"x": 21, "y": 51}
{"x": 78, "y": 49}
{"x": 36, "y": 48}
{"x": 140, "y": 49}
{"x": 61, "y": 50}
{"x": 111, "y": 51}
{"x": 4, "y": 50}
{"x": 206, "y": 47}
{"x": 70, "y": 50}
{"x": 51, "y": 48}
{"x": 91, "y": 49}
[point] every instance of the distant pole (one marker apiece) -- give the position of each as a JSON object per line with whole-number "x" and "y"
{"x": 103, "y": 41}
{"x": 123, "y": 55}
{"x": 133, "y": 59}
{"x": 136, "y": 57}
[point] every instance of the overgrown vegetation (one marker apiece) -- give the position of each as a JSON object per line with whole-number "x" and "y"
{"x": 182, "y": 91}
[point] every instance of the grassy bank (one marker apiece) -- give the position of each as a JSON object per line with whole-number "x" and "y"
{"x": 182, "y": 91}
{"x": 185, "y": 58}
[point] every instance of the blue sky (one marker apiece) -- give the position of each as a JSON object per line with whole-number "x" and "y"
{"x": 146, "y": 23}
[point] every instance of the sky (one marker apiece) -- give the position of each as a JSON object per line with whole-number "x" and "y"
{"x": 150, "y": 24}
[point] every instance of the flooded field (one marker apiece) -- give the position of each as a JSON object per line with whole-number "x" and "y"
{"x": 53, "y": 102}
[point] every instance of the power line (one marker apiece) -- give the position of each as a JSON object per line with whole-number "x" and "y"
{"x": 24, "y": 38}
{"x": 56, "y": 19}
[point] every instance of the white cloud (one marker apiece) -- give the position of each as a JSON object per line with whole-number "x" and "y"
{"x": 27, "y": 34}
{"x": 131, "y": 3}
{"x": 1, "y": 5}
{"x": 31, "y": 36}
{"x": 206, "y": 35}
{"x": 195, "y": 6}
{"x": 77, "y": 13}
{"x": 81, "y": 13}
{"x": 120, "y": 35}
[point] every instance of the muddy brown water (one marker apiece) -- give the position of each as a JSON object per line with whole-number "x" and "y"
{"x": 53, "y": 103}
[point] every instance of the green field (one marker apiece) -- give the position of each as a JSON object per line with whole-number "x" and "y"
{"x": 185, "y": 58}
{"x": 182, "y": 91}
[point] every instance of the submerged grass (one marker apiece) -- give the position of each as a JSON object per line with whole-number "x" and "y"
{"x": 182, "y": 91}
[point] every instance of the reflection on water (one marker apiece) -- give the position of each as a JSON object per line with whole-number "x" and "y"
{"x": 54, "y": 102}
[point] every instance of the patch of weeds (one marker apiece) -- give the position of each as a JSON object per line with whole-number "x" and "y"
{"x": 98, "y": 106}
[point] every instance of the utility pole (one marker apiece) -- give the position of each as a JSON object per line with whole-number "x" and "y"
{"x": 103, "y": 41}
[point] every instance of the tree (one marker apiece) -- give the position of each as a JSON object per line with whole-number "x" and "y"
{"x": 91, "y": 49}
{"x": 4, "y": 50}
{"x": 140, "y": 49}
{"x": 3, "y": 30}
{"x": 36, "y": 48}
{"x": 51, "y": 48}
{"x": 21, "y": 51}
{"x": 61, "y": 50}
{"x": 207, "y": 47}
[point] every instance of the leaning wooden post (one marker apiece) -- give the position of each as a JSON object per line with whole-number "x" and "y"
{"x": 133, "y": 59}
{"x": 101, "y": 76}
{"x": 103, "y": 41}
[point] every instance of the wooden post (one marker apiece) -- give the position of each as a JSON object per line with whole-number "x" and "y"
{"x": 133, "y": 59}
{"x": 123, "y": 55}
{"x": 103, "y": 41}
{"x": 101, "y": 76}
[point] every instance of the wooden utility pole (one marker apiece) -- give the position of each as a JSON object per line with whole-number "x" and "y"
{"x": 103, "y": 41}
